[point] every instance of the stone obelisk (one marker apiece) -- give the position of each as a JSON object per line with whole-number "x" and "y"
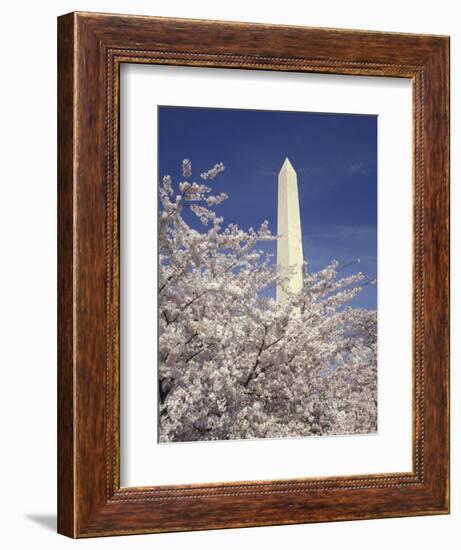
{"x": 289, "y": 243}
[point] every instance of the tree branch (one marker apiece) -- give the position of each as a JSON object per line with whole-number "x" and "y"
{"x": 255, "y": 366}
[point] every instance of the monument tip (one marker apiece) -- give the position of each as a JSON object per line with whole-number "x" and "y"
{"x": 287, "y": 165}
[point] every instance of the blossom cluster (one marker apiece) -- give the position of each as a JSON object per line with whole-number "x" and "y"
{"x": 234, "y": 363}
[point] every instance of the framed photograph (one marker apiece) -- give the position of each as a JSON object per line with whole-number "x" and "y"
{"x": 253, "y": 252}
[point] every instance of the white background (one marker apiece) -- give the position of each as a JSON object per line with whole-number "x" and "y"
{"x": 28, "y": 274}
{"x": 143, "y": 460}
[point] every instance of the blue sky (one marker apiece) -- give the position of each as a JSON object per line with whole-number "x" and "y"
{"x": 334, "y": 155}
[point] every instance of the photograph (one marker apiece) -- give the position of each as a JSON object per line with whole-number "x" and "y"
{"x": 227, "y": 313}
{"x": 267, "y": 274}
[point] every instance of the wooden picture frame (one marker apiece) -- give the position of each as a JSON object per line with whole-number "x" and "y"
{"x": 91, "y": 48}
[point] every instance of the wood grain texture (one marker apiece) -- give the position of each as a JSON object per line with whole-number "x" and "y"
{"x": 66, "y": 487}
{"x": 91, "y": 49}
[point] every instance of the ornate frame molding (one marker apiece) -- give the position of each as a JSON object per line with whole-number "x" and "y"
{"x": 91, "y": 49}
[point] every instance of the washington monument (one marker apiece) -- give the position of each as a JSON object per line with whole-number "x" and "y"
{"x": 289, "y": 244}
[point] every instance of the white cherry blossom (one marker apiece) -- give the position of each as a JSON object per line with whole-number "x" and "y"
{"x": 233, "y": 363}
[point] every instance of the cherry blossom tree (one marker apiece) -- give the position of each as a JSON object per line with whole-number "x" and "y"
{"x": 234, "y": 363}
